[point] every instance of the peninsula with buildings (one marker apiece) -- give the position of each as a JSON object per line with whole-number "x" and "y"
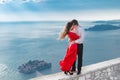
{"x": 32, "y": 66}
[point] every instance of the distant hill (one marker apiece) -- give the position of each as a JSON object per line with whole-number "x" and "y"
{"x": 102, "y": 27}
{"x": 108, "y": 22}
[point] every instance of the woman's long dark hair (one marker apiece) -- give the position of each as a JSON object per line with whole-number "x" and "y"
{"x": 65, "y": 31}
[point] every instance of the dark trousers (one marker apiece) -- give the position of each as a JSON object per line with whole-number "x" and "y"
{"x": 80, "y": 54}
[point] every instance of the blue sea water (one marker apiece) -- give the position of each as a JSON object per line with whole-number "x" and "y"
{"x": 24, "y": 41}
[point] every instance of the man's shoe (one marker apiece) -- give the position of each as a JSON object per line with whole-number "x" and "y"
{"x": 78, "y": 72}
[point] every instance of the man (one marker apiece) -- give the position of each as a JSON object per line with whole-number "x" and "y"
{"x": 79, "y": 42}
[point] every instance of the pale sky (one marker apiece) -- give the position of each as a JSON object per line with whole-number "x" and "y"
{"x": 38, "y": 10}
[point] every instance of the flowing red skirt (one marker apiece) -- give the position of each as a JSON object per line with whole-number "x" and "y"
{"x": 69, "y": 58}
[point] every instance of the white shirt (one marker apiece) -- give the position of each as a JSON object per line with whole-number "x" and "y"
{"x": 81, "y": 34}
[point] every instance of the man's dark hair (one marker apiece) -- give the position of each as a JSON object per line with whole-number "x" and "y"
{"x": 75, "y": 22}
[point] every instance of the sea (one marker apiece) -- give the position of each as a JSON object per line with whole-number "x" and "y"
{"x": 24, "y": 41}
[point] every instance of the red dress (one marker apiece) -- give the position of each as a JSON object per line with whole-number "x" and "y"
{"x": 70, "y": 57}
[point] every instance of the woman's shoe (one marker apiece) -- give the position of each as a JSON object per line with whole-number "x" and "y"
{"x": 71, "y": 73}
{"x": 65, "y": 72}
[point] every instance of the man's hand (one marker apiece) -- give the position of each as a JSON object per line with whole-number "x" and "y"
{"x": 72, "y": 42}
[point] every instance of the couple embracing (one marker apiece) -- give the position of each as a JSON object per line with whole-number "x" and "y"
{"x": 75, "y": 35}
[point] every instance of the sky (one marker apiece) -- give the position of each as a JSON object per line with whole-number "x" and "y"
{"x": 40, "y": 10}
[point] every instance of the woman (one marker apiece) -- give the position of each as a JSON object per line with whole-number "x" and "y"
{"x": 70, "y": 56}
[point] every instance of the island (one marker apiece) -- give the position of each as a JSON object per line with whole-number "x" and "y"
{"x": 32, "y": 66}
{"x": 103, "y": 27}
{"x": 107, "y": 22}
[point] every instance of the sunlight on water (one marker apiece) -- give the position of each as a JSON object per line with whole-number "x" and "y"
{"x": 3, "y": 69}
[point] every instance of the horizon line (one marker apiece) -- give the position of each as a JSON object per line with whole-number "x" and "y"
{"x": 56, "y": 20}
